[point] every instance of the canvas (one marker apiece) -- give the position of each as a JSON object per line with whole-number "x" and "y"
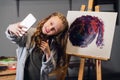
{"x": 91, "y": 33}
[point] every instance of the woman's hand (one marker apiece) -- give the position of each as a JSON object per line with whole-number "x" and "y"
{"x": 16, "y": 29}
{"x": 45, "y": 48}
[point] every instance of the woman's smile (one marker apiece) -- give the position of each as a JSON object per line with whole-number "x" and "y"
{"x": 47, "y": 30}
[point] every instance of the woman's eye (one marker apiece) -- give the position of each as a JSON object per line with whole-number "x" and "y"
{"x": 53, "y": 29}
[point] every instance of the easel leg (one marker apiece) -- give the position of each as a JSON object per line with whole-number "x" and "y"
{"x": 98, "y": 70}
{"x": 82, "y": 60}
{"x": 81, "y": 69}
{"x": 98, "y": 62}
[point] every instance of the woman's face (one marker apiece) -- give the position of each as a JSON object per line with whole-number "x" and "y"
{"x": 53, "y": 26}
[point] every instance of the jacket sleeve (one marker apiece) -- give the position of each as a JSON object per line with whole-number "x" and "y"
{"x": 47, "y": 66}
{"x": 50, "y": 64}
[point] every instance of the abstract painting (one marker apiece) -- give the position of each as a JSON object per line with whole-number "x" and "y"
{"x": 91, "y": 33}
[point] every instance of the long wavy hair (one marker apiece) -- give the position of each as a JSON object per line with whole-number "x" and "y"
{"x": 61, "y": 38}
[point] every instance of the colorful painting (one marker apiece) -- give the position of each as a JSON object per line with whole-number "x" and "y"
{"x": 91, "y": 33}
{"x": 84, "y": 30}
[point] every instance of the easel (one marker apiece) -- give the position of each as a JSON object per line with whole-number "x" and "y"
{"x": 82, "y": 60}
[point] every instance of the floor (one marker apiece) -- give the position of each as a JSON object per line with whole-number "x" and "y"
{"x": 105, "y": 76}
{"x": 91, "y": 74}
{"x": 112, "y": 76}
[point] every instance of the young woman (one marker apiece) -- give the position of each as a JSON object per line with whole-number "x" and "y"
{"x": 41, "y": 49}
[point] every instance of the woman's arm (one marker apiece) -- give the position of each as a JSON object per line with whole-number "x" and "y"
{"x": 13, "y": 32}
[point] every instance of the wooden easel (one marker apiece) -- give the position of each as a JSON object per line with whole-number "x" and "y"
{"x": 82, "y": 60}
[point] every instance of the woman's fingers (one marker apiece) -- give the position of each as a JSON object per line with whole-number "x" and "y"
{"x": 19, "y": 30}
{"x": 16, "y": 29}
{"x": 45, "y": 47}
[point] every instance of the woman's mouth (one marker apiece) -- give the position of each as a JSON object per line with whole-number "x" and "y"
{"x": 47, "y": 31}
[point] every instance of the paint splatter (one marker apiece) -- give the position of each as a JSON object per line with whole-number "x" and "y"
{"x": 84, "y": 30}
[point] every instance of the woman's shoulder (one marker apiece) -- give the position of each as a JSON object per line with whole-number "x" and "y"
{"x": 31, "y": 31}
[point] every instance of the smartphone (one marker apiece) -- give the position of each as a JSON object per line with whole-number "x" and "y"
{"x": 28, "y": 21}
